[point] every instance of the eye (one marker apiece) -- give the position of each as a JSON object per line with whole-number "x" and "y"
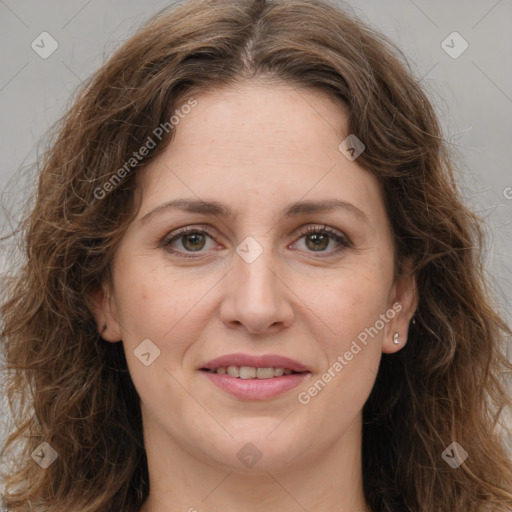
{"x": 193, "y": 239}
{"x": 319, "y": 238}
{"x": 189, "y": 239}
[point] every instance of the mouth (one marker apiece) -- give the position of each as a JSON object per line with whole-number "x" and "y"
{"x": 250, "y": 372}
{"x": 246, "y": 366}
{"x": 254, "y": 377}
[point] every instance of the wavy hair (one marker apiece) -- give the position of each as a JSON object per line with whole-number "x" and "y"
{"x": 66, "y": 386}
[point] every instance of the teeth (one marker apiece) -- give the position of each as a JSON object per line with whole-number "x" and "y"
{"x": 233, "y": 371}
{"x": 265, "y": 373}
{"x": 249, "y": 372}
{"x": 246, "y": 372}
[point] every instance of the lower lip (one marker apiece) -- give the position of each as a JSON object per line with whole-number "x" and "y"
{"x": 255, "y": 389}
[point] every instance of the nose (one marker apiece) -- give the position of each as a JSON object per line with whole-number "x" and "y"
{"x": 256, "y": 296}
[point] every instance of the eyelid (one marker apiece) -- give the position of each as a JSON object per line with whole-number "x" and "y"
{"x": 185, "y": 230}
{"x": 323, "y": 228}
{"x": 343, "y": 241}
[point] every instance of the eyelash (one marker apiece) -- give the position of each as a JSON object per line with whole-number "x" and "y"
{"x": 176, "y": 235}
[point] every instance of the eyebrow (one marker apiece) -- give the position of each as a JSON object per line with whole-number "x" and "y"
{"x": 220, "y": 210}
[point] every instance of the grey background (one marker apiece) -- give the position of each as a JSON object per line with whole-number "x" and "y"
{"x": 472, "y": 93}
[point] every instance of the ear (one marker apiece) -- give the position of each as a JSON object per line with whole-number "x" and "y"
{"x": 103, "y": 307}
{"x": 404, "y": 302}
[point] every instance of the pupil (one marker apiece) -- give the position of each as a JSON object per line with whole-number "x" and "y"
{"x": 320, "y": 241}
{"x": 197, "y": 240}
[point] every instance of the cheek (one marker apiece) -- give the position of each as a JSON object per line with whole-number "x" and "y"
{"x": 156, "y": 304}
{"x": 351, "y": 342}
{"x": 350, "y": 305}
{"x": 351, "y": 301}
{"x": 355, "y": 307}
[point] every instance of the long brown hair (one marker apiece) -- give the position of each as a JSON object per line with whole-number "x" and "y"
{"x": 68, "y": 387}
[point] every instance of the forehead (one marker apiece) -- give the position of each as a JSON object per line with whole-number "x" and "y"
{"x": 259, "y": 145}
{"x": 273, "y": 117}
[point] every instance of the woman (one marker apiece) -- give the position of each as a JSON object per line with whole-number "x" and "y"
{"x": 251, "y": 283}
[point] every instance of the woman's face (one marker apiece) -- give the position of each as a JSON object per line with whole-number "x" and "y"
{"x": 288, "y": 265}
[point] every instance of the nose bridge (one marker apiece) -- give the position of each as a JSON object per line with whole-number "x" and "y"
{"x": 252, "y": 270}
{"x": 254, "y": 296}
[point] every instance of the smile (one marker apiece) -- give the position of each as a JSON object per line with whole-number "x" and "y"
{"x": 250, "y": 372}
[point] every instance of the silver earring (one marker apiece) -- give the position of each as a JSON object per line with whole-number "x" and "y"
{"x": 395, "y": 339}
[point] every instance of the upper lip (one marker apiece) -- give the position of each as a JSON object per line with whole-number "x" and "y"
{"x": 255, "y": 361}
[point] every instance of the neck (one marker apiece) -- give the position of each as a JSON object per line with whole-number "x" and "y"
{"x": 331, "y": 480}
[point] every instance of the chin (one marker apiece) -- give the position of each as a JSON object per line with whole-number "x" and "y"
{"x": 257, "y": 450}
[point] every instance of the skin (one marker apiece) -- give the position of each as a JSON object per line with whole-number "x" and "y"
{"x": 256, "y": 148}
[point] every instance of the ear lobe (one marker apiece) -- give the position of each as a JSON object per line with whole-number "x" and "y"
{"x": 405, "y": 293}
{"x": 103, "y": 308}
